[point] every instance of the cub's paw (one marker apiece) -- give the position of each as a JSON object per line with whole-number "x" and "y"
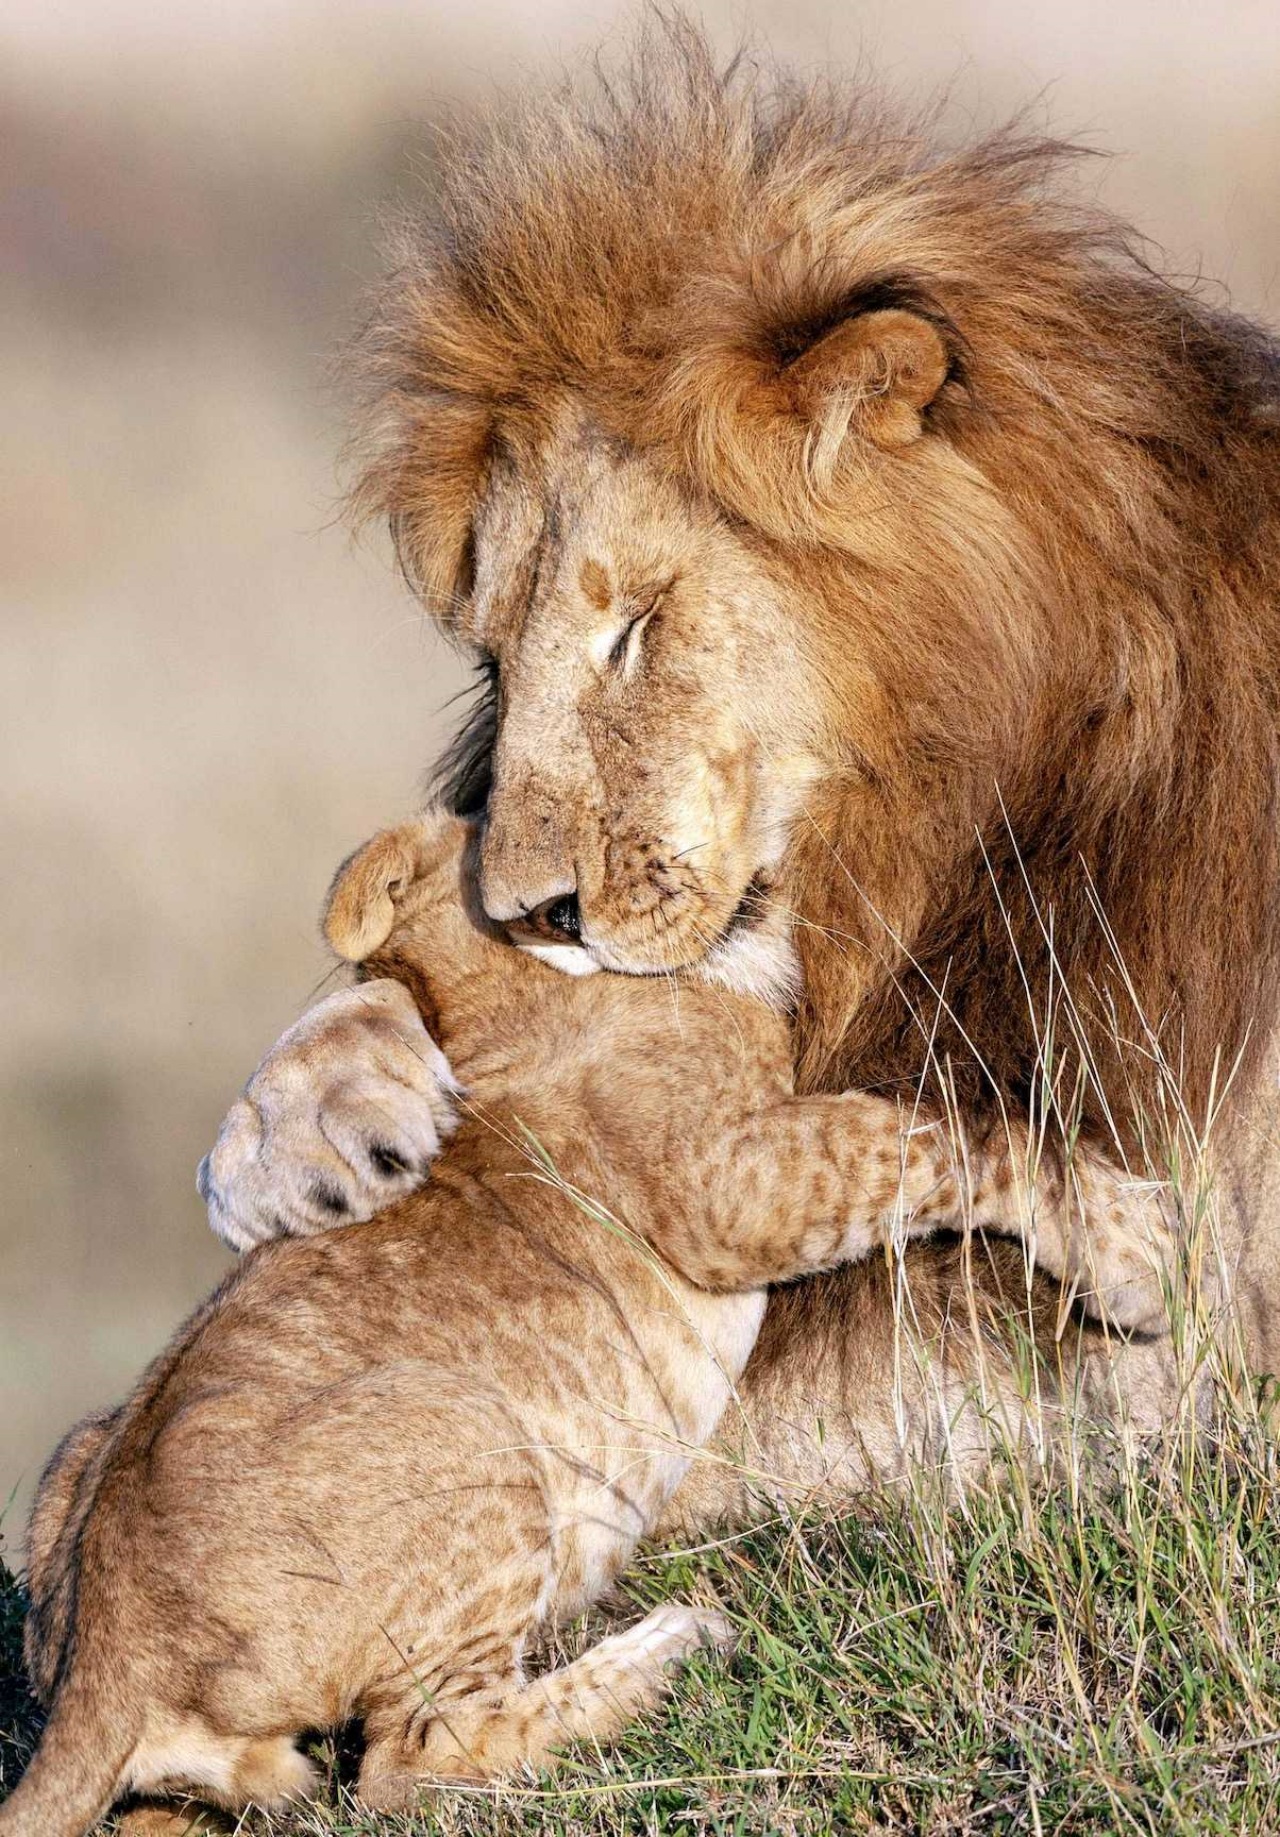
{"x": 345, "y": 1114}
{"x": 1123, "y": 1244}
{"x": 672, "y": 1634}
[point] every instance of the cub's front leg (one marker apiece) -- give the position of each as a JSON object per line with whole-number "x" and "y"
{"x": 812, "y": 1182}
{"x": 344, "y": 1115}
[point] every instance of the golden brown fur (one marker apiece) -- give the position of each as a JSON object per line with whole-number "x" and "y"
{"x": 378, "y": 1461}
{"x": 1003, "y": 508}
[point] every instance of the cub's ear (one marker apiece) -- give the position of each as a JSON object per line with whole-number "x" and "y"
{"x": 360, "y": 910}
{"x": 872, "y": 374}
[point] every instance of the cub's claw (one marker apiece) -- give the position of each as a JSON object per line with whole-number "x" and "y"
{"x": 345, "y": 1114}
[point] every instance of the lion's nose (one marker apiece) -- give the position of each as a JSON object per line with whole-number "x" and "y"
{"x": 556, "y": 918}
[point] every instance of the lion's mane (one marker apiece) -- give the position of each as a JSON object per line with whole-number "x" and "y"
{"x": 1068, "y": 599}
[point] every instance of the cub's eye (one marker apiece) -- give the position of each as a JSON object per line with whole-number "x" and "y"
{"x": 625, "y": 652}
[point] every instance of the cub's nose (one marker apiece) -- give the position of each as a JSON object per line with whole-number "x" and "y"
{"x": 556, "y": 918}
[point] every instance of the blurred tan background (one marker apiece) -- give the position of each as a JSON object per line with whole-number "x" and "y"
{"x": 206, "y": 695}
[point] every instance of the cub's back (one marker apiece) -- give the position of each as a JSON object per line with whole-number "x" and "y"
{"x": 349, "y": 1406}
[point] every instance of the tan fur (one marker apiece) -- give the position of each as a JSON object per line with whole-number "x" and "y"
{"x": 378, "y": 1461}
{"x": 961, "y": 534}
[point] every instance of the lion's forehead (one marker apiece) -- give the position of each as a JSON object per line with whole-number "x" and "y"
{"x": 577, "y": 518}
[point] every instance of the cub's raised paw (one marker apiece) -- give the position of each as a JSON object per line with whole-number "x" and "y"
{"x": 345, "y": 1114}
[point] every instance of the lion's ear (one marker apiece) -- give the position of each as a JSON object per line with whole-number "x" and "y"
{"x": 363, "y": 901}
{"x": 873, "y": 374}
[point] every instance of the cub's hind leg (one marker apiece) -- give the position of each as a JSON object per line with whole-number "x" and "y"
{"x": 591, "y": 1700}
{"x": 193, "y": 1763}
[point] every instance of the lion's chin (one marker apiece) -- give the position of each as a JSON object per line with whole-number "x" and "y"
{"x": 688, "y": 946}
{"x": 752, "y": 953}
{"x": 569, "y": 959}
{"x": 620, "y": 960}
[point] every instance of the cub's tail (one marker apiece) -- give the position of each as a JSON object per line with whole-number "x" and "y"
{"x": 77, "y": 1770}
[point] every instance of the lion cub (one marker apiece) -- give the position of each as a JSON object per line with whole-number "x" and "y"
{"x": 377, "y": 1461}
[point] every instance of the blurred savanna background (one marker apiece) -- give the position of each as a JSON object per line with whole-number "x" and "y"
{"x": 207, "y": 693}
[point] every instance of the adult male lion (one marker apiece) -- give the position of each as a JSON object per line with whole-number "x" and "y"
{"x": 845, "y": 520}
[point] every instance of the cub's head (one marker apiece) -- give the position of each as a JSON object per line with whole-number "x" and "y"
{"x": 406, "y": 905}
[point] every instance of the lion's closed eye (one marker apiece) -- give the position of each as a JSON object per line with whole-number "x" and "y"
{"x": 625, "y": 651}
